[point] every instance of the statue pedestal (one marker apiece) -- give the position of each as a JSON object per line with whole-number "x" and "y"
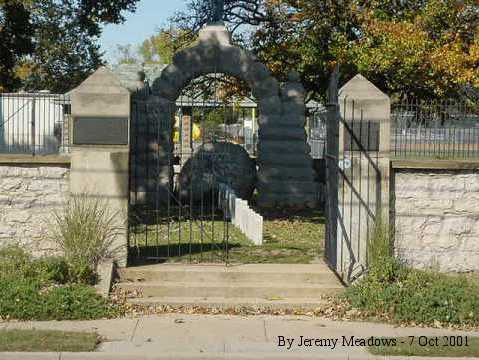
{"x": 215, "y": 32}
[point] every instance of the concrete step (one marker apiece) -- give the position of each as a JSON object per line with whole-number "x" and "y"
{"x": 229, "y": 303}
{"x": 237, "y": 290}
{"x": 274, "y": 286}
{"x": 318, "y": 274}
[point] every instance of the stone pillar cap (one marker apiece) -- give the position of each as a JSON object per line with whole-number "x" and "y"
{"x": 215, "y": 32}
{"x": 102, "y": 81}
{"x": 360, "y": 88}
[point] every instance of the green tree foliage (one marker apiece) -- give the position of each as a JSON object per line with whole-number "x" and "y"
{"x": 161, "y": 47}
{"x": 157, "y": 49}
{"x": 52, "y": 44}
{"x": 127, "y": 54}
{"x": 421, "y": 48}
{"x": 15, "y": 40}
{"x": 433, "y": 53}
{"x": 309, "y": 38}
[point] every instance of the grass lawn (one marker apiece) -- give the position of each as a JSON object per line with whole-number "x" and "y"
{"x": 473, "y": 277}
{"x": 438, "y": 348}
{"x": 289, "y": 237}
{"x": 46, "y": 341}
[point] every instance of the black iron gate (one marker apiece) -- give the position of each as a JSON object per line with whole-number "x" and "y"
{"x": 179, "y": 218}
{"x": 353, "y": 186}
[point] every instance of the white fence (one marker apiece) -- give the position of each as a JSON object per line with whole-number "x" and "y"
{"x": 33, "y": 123}
{"x": 242, "y": 216}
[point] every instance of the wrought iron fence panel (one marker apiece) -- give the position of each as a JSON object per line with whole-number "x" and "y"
{"x": 435, "y": 129}
{"x": 34, "y": 123}
{"x": 177, "y": 166}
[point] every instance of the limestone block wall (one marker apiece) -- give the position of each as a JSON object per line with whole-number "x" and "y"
{"x": 437, "y": 219}
{"x": 28, "y": 195}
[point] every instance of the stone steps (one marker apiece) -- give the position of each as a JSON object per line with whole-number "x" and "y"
{"x": 304, "y": 273}
{"x": 239, "y": 290}
{"x": 268, "y": 285}
{"x": 229, "y": 303}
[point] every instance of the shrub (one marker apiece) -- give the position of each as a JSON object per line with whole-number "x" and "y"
{"x": 16, "y": 263}
{"x": 383, "y": 266}
{"x": 42, "y": 289}
{"x": 85, "y": 231}
{"x": 410, "y": 295}
{"x": 77, "y": 301}
{"x": 52, "y": 269}
{"x": 27, "y": 299}
{"x": 430, "y": 297}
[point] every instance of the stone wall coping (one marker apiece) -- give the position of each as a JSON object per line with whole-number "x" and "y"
{"x": 24, "y": 159}
{"x": 436, "y": 164}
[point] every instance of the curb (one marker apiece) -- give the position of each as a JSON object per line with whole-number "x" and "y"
{"x": 196, "y": 356}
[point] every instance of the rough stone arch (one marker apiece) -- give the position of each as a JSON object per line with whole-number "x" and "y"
{"x": 286, "y": 176}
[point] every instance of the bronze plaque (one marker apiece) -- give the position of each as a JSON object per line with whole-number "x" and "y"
{"x": 100, "y": 131}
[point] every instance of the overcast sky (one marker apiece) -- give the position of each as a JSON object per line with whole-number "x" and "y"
{"x": 150, "y": 15}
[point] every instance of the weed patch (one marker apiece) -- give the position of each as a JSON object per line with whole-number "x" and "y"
{"x": 31, "y": 300}
{"x": 415, "y": 296}
{"x": 43, "y": 289}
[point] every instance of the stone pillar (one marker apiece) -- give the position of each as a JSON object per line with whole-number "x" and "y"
{"x": 100, "y": 148}
{"x": 365, "y": 109}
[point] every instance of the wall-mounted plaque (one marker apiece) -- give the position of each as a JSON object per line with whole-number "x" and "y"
{"x": 365, "y": 132}
{"x": 100, "y": 131}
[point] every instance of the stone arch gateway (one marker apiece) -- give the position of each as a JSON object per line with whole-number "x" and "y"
{"x": 285, "y": 176}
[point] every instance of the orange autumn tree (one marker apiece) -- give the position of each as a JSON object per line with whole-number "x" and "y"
{"x": 431, "y": 53}
{"x": 424, "y": 49}
{"x": 308, "y": 37}
{"x": 420, "y": 48}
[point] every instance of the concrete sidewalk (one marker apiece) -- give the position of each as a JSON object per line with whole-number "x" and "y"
{"x": 178, "y": 336}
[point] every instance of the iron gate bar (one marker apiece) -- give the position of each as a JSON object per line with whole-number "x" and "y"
{"x": 355, "y": 192}
{"x": 358, "y": 142}
{"x": 184, "y": 226}
{"x": 331, "y": 156}
{"x": 361, "y": 179}
{"x": 348, "y": 243}
{"x": 339, "y": 179}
